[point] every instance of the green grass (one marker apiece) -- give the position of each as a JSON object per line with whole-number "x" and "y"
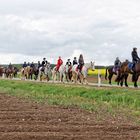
{"x": 89, "y": 98}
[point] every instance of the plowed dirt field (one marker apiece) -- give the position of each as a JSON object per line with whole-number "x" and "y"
{"x": 21, "y": 119}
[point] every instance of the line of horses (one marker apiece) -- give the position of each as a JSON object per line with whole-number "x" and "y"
{"x": 65, "y": 73}
{"x": 123, "y": 73}
{"x": 68, "y": 74}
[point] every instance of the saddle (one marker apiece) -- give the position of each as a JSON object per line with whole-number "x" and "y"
{"x": 79, "y": 68}
{"x": 131, "y": 66}
{"x": 115, "y": 69}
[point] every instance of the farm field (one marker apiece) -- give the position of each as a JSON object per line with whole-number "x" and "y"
{"x": 37, "y": 111}
{"x": 93, "y": 77}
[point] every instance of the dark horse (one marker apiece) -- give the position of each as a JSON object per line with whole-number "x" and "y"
{"x": 15, "y": 71}
{"x": 9, "y": 72}
{"x": 125, "y": 71}
{"x": 1, "y": 71}
{"x": 136, "y": 73}
{"x": 110, "y": 70}
{"x": 33, "y": 71}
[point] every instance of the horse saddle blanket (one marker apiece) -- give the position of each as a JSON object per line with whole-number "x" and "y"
{"x": 130, "y": 65}
{"x": 115, "y": 69}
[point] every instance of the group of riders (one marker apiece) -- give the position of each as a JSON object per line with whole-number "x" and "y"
{"x": 79, "y": 62}
{"x": 135, "y": 59}
{"x": 44, "y": 63}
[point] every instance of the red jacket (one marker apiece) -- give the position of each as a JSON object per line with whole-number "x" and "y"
{"x": 59, "y": 62}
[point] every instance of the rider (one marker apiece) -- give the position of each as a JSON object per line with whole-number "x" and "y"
{"x": 38, "y": 64}
{"x": 68, "y": 62}
{"x": 28, "y": 64}
{"x": 59, "y": 63}
{"x": 24, "y": 65}
{"x": 135, "y": 57}
{"x": 80, "y": 62}
{"x": 44, "y": 62}
{"x": 75, "y": 61}
{"x": 10, "y": 66}
{"x": 32, "y": 65}
{"x": 117, "y": 64}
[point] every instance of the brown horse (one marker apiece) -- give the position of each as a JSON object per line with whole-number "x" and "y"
{"x": 33, "y": 72}
{"x": 110, "y": 70}
{"x": 25, "y": 72}
{"x": 9, "y": 72}
{"x": 136, "y": 74}
{"x": 125, "y": 71}
{"x": 1, "y": 71}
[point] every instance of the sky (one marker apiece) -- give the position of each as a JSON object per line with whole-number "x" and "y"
{"x": 101, "y": 30}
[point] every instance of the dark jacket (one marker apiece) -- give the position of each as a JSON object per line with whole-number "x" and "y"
{"x": 135, "y": 57}
{"x": 75, "y": 62}
{"x": 32, "y": 65}
{"x": 24, "y": 65}
{"x": 68, "y": 63}
{"x": 44, "y": 63}
{"x": 81, "y": 61}
{"x": 117, "y": 63}
{"x": 39, "y": 65}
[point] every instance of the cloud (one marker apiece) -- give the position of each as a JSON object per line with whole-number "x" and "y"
{"x": 100, "y": 30}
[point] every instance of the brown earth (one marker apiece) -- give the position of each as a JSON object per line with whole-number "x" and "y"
{"x": 24, "y": 120}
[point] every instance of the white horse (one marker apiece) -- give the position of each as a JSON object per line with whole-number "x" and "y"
{"x": 59, "y": 75}
{"x": 46, "y": 74}
{"x": 83, "y": 74}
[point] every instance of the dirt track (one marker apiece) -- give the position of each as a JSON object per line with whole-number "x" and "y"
{"x": 24, "y": 120}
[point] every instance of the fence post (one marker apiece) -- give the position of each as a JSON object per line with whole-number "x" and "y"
{"x": 99, "y": 77}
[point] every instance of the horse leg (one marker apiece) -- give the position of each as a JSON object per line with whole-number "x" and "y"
{"x": 126, "y": 76}
{"x": 110, "y": 77}
{"x": 135, "y": 84}
{"x": 136, "y": 79}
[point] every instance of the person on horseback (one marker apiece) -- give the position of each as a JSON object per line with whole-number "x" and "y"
{"x": 59, "y": 63}
{"x": 10, "y": 66}
{"x": 32, "y": 65}
{"x": 39, "y": 64}
{"x": 135, "y": 57}
{"x": 24, "y": 65}
{"x": 28, "y": 64}
{"x": 75, "y": 61}
{"x": 68, "y": 62}
{"x": 44, "y": 62}
{"x": 117, "y": 65}
{"x": 80, "y": 62}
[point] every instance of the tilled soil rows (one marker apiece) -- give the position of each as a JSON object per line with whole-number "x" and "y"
{"x": 24, "y": 120}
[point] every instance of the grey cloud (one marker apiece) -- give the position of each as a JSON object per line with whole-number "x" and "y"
{"x": 48, "y": 28}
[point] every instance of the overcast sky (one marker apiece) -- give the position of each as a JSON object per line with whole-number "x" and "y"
{"x": 99, "y": 29}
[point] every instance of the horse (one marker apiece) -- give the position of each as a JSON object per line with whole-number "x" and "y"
{"x": 136, "y": 73}
{"x": 60, "y": 74}
{"x": 45, "y": 73}
{"x": 33, "y": 71}
{"x": 9, "y": 72}
{"x": 15, "y": 72}
{"x": 83, "y": 74}
{"x": 1, "y": 71}
{"x": 25, "y": 72}
{"x": 68, "y": 73}
{"x": 125, "y": 71}
{"x": 111, "y": 71}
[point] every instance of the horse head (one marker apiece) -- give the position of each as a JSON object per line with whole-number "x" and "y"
{"x": 90, "y": 66}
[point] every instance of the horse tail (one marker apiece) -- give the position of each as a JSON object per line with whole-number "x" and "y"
{"x": 106, "y": 73}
